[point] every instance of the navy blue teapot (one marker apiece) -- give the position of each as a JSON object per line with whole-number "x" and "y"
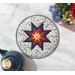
{"x": 12, "y": 60}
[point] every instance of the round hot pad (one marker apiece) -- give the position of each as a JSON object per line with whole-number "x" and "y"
{"x": 37, "y": 36}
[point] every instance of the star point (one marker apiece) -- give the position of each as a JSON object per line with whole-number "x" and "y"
{"x": 37, "y": 36}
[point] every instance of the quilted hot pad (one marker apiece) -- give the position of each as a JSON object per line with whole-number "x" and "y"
{"x": 37, "y": 36}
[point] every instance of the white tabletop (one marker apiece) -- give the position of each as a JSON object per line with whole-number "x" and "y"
{"x": 64, "y": 56}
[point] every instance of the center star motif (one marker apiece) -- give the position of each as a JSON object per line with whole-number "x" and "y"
{"x": 37, "y": 36}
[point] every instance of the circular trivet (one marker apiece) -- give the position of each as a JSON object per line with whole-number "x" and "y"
{"x": 37, "y": 36}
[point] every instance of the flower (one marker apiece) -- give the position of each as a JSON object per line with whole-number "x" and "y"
{"x": 68, "y": 3}
{"x": 72, "y": 5}
{"x": 60, "y": 21}
{"x": 71, "y": 17}
{"x": 71, "y": 22}
{"x": 53, "y": 9}
{"x": 64, "y": 18}
{"x": 56, "y": 18}
{"x": 65, "y": 6}
{"x": 63, "y": 12}
{"x": 50, "y": 9}
{"x": 72, "y": 12}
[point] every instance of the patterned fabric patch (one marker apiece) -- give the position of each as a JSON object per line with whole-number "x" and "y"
{"x": 37, "y": 36}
